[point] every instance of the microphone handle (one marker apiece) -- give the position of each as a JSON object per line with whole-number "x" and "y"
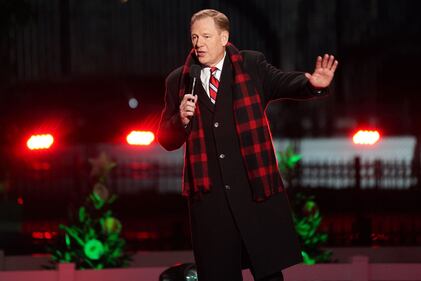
{"x": 192, "y": 87}
{"x": 192, "y": 93}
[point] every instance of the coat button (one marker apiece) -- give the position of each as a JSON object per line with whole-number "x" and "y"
{"x": 227, "y": 187}
{"x": 222, "y": 156}
{"x": 216, "y": 124}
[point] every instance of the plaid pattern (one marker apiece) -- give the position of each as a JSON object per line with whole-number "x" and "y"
{"x": 252, "y": 130}
{"x": 196, "y": 164}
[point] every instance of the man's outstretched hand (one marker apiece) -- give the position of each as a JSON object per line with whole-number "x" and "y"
{"x": 324, "y": 71}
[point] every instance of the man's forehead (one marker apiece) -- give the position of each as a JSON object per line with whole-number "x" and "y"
{"x": 204, "y": 24}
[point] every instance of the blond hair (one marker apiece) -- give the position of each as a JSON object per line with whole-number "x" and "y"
{"x": 221, "y": 20}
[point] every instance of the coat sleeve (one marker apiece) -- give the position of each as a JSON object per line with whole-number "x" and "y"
{"x": 278, "y": 84}
{"x": 171, "y": 132}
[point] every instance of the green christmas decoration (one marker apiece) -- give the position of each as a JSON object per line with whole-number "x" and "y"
{"x": 93, "y": 249}
{"x": 111, "y": 225}
{"x": 94, "y": 240}
{"x": 305, "y": 212}
{"x": 307, "y": 219}
{"x": 287, "y": 162}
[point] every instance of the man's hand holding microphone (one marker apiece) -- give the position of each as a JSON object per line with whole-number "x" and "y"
{"x": 188, "y": 103}
{"x": 187, "y": 107}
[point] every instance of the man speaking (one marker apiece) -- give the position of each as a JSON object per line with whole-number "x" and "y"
{"x": 215, "y": 104}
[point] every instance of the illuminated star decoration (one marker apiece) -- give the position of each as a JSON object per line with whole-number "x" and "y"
{"x": 101, "y": 165}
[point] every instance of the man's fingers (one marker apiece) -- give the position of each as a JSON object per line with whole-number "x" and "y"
{"x": 187, "y": 107}
{"x": 186, "y": 103}
{"x": 318, "y": 62}
{"x": 330, "y": 62}
{"x": 335, "y": 65}
{"x": 186, "y": 114}
{"x": 325, "y": 60}
{"x": 190, "y": 108}
{"x": 191, "y": 103}
{"x": 190, "y": 97}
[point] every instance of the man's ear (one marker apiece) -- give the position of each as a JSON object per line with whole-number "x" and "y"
{"x": 224, "y": 37}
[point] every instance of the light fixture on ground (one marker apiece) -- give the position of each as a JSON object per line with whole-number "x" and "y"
{"x": 180, "y": 272}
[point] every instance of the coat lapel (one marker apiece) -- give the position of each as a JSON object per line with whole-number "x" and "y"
{"x": 203, "y": 97}
{"x": 225, "y": 83}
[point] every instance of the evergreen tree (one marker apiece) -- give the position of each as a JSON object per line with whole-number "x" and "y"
{"x": 94, "y": 239}
{"x": 305, "y": 212}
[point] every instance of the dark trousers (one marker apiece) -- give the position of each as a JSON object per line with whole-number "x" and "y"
{"x": 227, "y": 256}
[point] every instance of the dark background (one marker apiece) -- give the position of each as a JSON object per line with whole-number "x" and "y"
{"x": 73, "y": 64}
{"x": 70, "y": 66}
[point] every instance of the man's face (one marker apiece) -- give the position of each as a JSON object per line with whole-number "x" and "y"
{"x": 208, "y": 41}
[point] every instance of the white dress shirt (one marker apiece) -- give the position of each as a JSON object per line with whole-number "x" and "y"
{"x": 205, "y": 75}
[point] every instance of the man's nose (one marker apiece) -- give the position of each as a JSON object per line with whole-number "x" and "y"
{"x": 199, "y": 42}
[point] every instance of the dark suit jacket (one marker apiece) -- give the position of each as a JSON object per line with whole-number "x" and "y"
{"x": 227, "y": 215}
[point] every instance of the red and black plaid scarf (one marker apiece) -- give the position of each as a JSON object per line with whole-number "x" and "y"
{"x": 252, "y": 130}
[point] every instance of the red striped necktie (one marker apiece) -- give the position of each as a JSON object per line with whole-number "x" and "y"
{"x": 213, "y": 83}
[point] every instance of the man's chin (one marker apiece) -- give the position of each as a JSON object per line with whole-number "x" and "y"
{"x": 202, "y": 60}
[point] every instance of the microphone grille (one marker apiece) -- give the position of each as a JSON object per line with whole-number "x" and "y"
{"x": 195, "y": 71}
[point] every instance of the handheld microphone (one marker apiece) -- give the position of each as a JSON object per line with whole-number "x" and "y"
{"x": 194, "y": 73}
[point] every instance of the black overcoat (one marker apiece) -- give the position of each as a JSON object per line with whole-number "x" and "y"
{"x": 229, "y": 229}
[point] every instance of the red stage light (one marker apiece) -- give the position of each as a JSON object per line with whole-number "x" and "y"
{"x": 37, "y": 235}
{"x": 366, "y": 137}
{"x": 43, "y": 234}
{"x": 38, "y": 142}
{"x": 140, "y": 138}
